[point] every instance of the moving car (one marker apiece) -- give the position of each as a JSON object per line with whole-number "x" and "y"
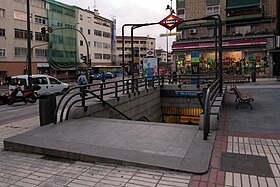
{"x": 47, "y": 83}
{"x": 97, "y": 76}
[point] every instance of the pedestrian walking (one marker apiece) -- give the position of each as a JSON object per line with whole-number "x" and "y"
{"x": 82, "y": 80}
{"x": 169, "y": 77}
{"x": 103, "y": 79}
{"x": 174, "y": 77}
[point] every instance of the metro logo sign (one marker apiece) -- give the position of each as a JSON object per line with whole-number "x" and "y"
{"x": 171, "y": 21}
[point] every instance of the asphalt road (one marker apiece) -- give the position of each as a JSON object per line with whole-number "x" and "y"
{"x": 21, "y": 110}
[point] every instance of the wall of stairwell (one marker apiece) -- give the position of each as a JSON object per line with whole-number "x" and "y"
{"x": 144, "y": 103}
{"x": 152, "y": 103}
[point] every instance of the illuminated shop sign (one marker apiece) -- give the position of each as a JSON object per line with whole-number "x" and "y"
{"x": 225, "y": 44}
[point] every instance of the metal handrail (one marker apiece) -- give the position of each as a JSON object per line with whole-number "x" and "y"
{"x": 210, "y": 96}
{"x": 120, "y": 87}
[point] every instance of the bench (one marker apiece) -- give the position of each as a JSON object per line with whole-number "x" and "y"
{"x": 242, "y": 97}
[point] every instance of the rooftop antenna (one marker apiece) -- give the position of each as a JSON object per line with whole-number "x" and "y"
{"x": 94, "y": 4}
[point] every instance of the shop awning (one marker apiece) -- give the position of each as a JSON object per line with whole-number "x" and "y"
{"x": 231, "y": 4}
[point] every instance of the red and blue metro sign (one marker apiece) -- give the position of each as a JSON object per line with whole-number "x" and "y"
{"x": 171, "y": 21}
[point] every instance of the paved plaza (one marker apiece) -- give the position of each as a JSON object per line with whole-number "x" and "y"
{"x": 242, "y": 134}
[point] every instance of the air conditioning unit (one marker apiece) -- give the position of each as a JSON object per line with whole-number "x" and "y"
{"x": 192, "y": 31}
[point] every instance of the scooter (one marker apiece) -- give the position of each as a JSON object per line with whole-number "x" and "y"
{"x": 19, "y": 95}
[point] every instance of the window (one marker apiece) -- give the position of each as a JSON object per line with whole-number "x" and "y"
{"x": 20, "y": 51}
{"x": 97, "y": 56}
{"x": 89, "y": 43}
{"x": 254, "y": 29}
{"x": 89, "y": 19}
{"x": 41, "y": 52}
{"x": 40, "y": 80}
{"x": 106, "y": 35}
{"x": 97, "y": 44}
{"x": 2, "y": 32}
{"x": 81, "y": 29}
{"x": 81, "y": 42}
{"x": 54, "y": 81}
{"x": 88, "y": 31}
{"x": 215, "y": 9}
{"x": 107, "y": 56}
{"x": 40, "y": 20}
{"x": 180, "y": 11}
{"x": 22, "y": 34}
{"x": 210, "y": 32}
{"x": 20, "y": 15}
{"x": 38, "y": 37}
{"x": 57, "y": 39}
{"x": 2, "y": 13}
{"x": 97, "y": 32}
{"x": 39, "y": 4}
{"x": 81, "y": 17}
{"x": 2, "y": 52}
{"x": 106, "y": 46}
{"x": 59, "y": 24}
{"x": 243, "y": 29}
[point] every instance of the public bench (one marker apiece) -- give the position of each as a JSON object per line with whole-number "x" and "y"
{"x": 236, "y": 78}
{"x": 242, "y": 97}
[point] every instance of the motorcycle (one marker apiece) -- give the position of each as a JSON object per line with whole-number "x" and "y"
{"x": 19, "y": 95}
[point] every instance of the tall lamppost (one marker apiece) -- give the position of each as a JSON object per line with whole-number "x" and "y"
{"x": 169, "y": 7}
{"x": 29, "y": 72}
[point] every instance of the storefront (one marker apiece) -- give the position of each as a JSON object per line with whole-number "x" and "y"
{"x": 239, "y": 57}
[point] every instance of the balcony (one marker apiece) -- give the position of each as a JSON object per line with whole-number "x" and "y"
{"x": 261, "y": 34}
{"x": 249, "y": 13}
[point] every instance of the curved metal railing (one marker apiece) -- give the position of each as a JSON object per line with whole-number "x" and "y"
{"x": 116, "y": 88}
{"x": 210, "y": 97}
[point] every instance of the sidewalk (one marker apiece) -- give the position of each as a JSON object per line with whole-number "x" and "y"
{"x": 246, "y": 153}
{"x": 247, "y": 147}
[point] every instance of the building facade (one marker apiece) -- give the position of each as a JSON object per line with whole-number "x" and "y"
{"x": 165, "y": 61}
{"x": 58, "y": 52}
{"x": 99, "y": 34}
{"x": 249, "y": 32}
{"x": 13, "y": 36}
{"x": 141, "y": 45}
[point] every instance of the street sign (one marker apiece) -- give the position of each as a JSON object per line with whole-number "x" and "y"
{"x": 50, "y": 30}
{"x": 171, "y": 21}
{"x": 170, "y": 34}
{"x": 150, "y": 53}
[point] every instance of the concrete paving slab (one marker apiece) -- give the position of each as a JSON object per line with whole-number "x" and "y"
{"x": 149, "y": 144}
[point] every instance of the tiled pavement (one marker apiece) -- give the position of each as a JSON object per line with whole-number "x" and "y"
{"x": 22, "y": 169}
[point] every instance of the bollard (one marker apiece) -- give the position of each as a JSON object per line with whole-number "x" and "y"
{"x": 47, "y": 105}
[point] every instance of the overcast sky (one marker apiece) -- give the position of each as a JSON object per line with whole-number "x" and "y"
{"x": 133, "y": 11}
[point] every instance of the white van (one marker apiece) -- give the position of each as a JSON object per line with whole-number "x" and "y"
{"x": 47, "y": 83}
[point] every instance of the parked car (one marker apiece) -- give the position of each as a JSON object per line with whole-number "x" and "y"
{"x": 47, "y": 83}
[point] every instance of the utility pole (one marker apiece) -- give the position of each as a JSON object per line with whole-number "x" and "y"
{"x": 29, "y": 68}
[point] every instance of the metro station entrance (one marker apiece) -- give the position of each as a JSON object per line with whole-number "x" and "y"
{"x": 179, "y": 115}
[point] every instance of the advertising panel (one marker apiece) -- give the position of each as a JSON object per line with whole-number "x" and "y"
{"x": 150, "y": 66}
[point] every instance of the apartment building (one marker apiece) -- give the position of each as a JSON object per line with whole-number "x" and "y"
{"x": 99, "y": 32}
{"x": 165, "y": 60}
{"x": 141, "y": 45}
{"x": 59, "y": 52}
{"x": 13, "y": 36}
{"x": 249, "y": 35}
